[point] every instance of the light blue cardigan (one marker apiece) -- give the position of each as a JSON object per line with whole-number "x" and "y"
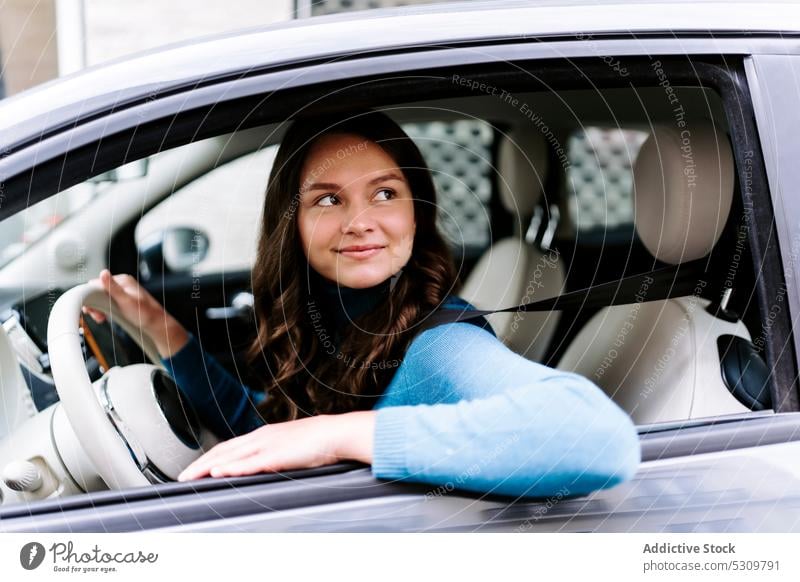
{"x": 462, "y": 411}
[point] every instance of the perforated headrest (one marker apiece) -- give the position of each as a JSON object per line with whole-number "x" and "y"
{"x": 683, "y": 188}
{"x": 522, "y": 164}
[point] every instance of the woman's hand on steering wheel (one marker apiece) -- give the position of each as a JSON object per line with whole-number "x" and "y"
{"x": 139, "y": 307}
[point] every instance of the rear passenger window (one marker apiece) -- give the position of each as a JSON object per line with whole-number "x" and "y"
{"x": 599, "y": 177}
{"x": 459, "y": 156}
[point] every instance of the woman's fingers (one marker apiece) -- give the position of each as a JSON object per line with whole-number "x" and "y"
{"x": 235, "y": 449}
{"x": 202, "y": 466}
{"x": 105, "y": 278}
{"x": 112, "y": 285}
{"x": 216, "y": 455}
{"x": 259, "y": 463}
{"x": 98, "y": 316}
{"x": 125, "y": 292}
{"x": 212, "y": 467}
{"x": 126, "y": 284}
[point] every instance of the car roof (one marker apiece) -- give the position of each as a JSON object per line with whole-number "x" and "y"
{"x": 147, "y": 75}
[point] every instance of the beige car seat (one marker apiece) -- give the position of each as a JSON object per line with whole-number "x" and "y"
{"x": 515, "y": 271}
{"x": 660, "y": 360}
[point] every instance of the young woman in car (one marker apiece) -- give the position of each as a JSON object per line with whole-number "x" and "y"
{"x": 349, "y": 262}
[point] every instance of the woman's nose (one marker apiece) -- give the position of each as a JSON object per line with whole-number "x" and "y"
{"x": 357, "y": 219}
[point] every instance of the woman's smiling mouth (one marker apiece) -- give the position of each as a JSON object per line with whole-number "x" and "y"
{"x": 361, "y": 252}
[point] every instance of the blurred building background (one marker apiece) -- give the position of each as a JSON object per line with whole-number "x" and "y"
{"x": 42, "y": 39}
{"x": 27, "y": 44}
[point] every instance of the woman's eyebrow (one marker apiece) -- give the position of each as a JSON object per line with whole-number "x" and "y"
{"x": 332, "y": 186}
{"x": 385, "y": 177}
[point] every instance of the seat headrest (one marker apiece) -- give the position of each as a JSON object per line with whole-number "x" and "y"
{"x": 683, "y": 188}
{"x": 522, "y": 164}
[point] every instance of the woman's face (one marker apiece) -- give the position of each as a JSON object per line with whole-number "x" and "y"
{"x": 356, "y": 212}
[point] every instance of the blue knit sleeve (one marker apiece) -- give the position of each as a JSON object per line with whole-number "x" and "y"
{"x": 223, "y": 404}
{"x": 478, "y": 416}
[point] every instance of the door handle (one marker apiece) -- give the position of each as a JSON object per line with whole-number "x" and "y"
{"x": 241, "y": 307}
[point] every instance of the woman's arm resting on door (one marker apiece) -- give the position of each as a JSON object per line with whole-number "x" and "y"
{"x": 510, "y": 426}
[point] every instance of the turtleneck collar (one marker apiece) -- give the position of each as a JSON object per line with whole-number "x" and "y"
{"x": 344, "y": 304}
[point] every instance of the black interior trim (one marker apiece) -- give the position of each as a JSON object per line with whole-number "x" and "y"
{"x": 763, "y": 239}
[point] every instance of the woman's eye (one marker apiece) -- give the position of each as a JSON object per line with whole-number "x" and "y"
{"x": 329, "y": 198}
{"x": 333, "y": 199}
{"x": 387, "y": 194}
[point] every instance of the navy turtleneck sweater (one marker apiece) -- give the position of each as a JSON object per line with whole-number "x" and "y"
{"x": 342, "y": 305}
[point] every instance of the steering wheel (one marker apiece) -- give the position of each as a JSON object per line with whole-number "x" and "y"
{"x": 133, "y": 423}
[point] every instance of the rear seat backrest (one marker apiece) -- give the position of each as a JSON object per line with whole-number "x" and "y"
{"x": 660, "y": 360}
{"x": 513, "y": 271}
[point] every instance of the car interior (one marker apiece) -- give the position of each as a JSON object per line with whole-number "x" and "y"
{"x": 574, "y": 189}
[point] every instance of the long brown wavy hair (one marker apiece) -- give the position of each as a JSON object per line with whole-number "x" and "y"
{"x": 286, "y": 359}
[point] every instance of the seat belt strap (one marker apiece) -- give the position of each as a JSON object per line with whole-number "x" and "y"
{"x": 674, "y": 281}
